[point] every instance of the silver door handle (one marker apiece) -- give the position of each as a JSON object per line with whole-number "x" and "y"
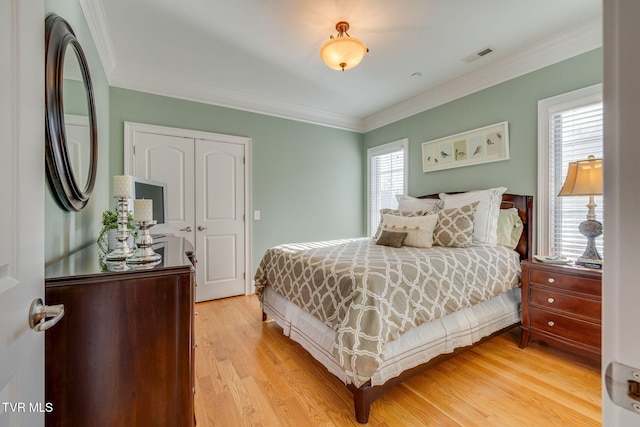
{"x": 39, "y": 313}
{"x": 201, "y": 228}
{"x": 188, "y": 229}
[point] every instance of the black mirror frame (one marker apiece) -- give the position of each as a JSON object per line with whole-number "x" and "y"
{"x": 60, "y": 174}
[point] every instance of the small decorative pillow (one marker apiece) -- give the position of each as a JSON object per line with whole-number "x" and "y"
{"x": 419, "y": 229}
{"x": 391, "y": 238}
{"x": 455, "y": 227}
{"x": 408, "y": 203}
{"x": 397, "y": 212}
{"x": 510, "y": 228}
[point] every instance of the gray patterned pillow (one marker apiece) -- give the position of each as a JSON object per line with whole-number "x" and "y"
{"x": 455, "y": 226}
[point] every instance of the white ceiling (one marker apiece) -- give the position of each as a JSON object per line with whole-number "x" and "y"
{"x": 263, "y": 55}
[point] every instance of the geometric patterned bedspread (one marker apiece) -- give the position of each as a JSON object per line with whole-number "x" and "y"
{"x": 370, "y": 294}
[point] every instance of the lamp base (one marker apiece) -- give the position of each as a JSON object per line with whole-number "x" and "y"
{"x": 590, "y": 258}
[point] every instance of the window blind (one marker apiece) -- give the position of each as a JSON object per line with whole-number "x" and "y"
{"x": 386, "y": 179}
{"x": 575, "y": 134}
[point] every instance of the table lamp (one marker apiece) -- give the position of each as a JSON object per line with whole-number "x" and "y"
{"x": 585, "y": 179}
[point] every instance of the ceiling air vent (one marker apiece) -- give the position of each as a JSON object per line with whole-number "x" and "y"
{"x": 477, "y": 55}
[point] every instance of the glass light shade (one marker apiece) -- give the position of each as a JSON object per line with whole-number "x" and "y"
{"x": 584, "y": 178}
{"x": 343, "y": 53}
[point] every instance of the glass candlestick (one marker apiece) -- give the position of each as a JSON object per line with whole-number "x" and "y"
{"x": 122, "y": 250}
{"x": 144, "y": 255}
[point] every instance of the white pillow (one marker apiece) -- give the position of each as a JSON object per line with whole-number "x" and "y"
{"x": 419, "y": 229}
{"x": 408, "y": 203}
{"x": 485, "y": 222}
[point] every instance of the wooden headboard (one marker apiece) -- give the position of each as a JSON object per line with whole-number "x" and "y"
{"x": 524, "y": 205}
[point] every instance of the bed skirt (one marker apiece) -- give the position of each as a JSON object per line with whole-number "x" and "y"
{"x": 414, "y": 347}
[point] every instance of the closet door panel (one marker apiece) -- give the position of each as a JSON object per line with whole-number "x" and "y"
{"x": 220, "y": 219}
{"x": 169, "y": 159}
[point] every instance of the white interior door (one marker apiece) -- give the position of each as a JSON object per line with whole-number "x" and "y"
{"x": 169, "y": 159}
{"x": 219, "y": 219}
{"x": 22, "y": 214}
{"x": 621, "y": 284}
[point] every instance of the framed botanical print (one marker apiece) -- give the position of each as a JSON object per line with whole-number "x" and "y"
{"x": 483, "y": 145}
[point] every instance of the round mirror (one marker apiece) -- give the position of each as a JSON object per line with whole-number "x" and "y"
{"x": 72, "y": 137}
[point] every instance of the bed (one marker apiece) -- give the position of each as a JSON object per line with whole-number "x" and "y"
{"x": 375, "y": 315}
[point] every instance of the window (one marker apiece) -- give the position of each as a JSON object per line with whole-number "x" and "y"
{"x": 570, "y": 129}
{"x": 387, "y": 170}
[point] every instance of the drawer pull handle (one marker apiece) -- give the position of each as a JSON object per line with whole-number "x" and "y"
{"x": 551, "y": 280}
{"x": 551, "y": 323}
{"x": 551, "y": 300}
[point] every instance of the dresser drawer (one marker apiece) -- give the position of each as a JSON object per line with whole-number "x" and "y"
{"x": 569, "y": 304}
{"x": 565, "y": 281}
{"x": 573, "y": 329}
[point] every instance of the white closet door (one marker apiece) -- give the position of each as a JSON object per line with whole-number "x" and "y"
{"x": 169, "y": 159}
{"x": 220, "y": 226}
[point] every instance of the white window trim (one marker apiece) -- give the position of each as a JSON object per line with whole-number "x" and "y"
{"x": 590, "y": 94}
{"x": 384, "y": 149}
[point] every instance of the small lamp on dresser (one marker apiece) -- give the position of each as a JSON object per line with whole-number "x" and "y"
{"x": 584, "y": 178}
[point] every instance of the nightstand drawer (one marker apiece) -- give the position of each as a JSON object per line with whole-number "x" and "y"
{"x": 573, "y": 329}
{"x": 570, "y": 304}
{"x": 565, "y": 281}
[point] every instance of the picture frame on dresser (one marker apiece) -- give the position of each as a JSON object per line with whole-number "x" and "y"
{"x": 561, "y": 306}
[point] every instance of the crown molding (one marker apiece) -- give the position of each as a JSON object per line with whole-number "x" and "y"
{"x": 570, "y": 43}
{"x": 97, "y": 23}
{"x": 167, "y": 84}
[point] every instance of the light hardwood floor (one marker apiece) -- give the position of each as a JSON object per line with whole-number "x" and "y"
{"x": 248, "y": 374}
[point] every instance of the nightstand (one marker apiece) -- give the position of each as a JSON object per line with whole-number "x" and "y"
{"x": 561, "y": 305}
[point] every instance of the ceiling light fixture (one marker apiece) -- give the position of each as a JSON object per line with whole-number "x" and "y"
{"x": 343, "y": 52}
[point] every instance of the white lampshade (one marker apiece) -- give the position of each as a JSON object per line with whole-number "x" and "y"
{"x": 343, "y": 52}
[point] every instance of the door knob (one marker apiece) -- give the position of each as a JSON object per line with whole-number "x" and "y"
{"x": 201, "y": 228}
{"x": 38, "y": 313}
{"x": 188, "y": 229}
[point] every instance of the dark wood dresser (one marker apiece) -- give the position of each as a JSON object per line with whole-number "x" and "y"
{"x": 122, "y": 355}
{"x": 561, "y": 305}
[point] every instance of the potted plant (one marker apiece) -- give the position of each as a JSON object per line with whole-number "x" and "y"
{"x": 107, "y": 236}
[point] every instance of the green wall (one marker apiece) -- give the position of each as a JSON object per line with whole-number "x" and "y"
{"x": 66, "y": 232}
{"x": 307, "y": 180}
{"x": 515, "y": 101}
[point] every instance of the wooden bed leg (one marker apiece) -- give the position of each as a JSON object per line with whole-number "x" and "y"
{"x": 264, "y": 316}
{"x": 524, "y": 338}
{"x": 362, "y": 403}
